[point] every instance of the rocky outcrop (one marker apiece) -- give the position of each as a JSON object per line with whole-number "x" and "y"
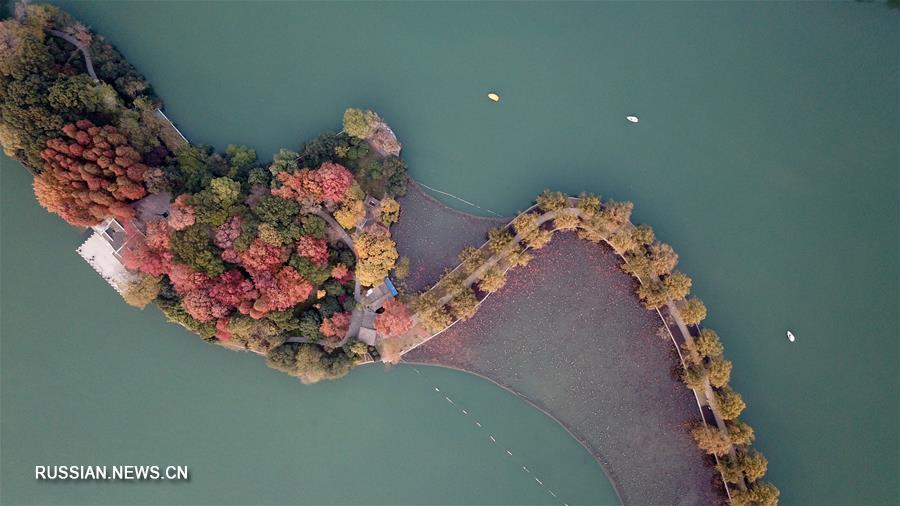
{"x": 383, "y": 140}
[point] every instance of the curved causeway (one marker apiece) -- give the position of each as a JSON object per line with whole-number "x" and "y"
{"x": 567, "y": 334}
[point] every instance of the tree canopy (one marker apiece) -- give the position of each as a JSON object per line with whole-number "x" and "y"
{"x": 375, "y": 257}
{"x": 395, "y": 320}
{"x": 91, "y": 174}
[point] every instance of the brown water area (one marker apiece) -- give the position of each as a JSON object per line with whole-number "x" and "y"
{"x": 567, "y": 334}
{"x": 431, "y": 235}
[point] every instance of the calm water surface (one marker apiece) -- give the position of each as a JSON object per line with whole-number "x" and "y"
{"x": 766, "y": 154}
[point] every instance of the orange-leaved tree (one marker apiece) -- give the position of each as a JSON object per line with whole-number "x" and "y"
{"x": 395, "y": 320}
{"x": 91, "y": 174}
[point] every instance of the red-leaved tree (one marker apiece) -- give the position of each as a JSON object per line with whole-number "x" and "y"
{"x": 202, "y": 307}
{"x": 328, "y": 184}
{"x": 341, "y": 273}
{"x": 148, "y": 254}
{"x": 223, "y": 333}
{"x": 396, "y": 319}
{"x": 233, "y": 289}
{"x": 91, "y": 174}
{"x": 334, "y": 180}
{"x": 227, "y": 233}
{"x": 185, "y": 279}
{"x": 314, "y": 249}
{"x": 298, "y": 185}
{"x": 337, "y": 325}
{"x": 181, "y": 215}
{"x": 263, "y": 257}
{"x": 279, "y": 291}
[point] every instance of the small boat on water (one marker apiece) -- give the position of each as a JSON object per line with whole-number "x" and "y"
{"x": 494, "y": 97}
{"x": 790, "y": 336}
{"x": 632, "y": 119}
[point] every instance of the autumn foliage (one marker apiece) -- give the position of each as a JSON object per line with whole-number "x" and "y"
{"x": 91, "y": 174}
{"x": 256, "y": 260}
{"x": 279, "y": 291}
{"x": 341, "y": 273}
{"x": 376, "y": 256}
{"x": 151, "y": 255}
{"x": 245, "y": 252}
{"x": 227, "y": 257}
{"x": 395, "y": 320}
{"x": 233, "y": 289}
{"x": 350, "y": 213}
{"x": 314, "y": 249}
{"x": 264, "y": 284}
{"x": 181, "y": 215}
{"x": 200, "y": 305}
{"x": 263, "y": 257}
{"x": 326, "y": 185}
{"x": 337, "y": 325}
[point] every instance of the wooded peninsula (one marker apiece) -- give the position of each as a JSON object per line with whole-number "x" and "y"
{"x": 294, "y": 258}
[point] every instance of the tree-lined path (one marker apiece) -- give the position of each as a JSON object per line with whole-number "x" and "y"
{"x": 505, "y": 250}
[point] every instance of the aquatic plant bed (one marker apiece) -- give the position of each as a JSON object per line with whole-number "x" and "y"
{"x": 431, "y": 235}
{"x": 567, "y": 334}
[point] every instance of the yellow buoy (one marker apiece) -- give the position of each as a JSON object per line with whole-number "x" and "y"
{"x": 493, "y": 96}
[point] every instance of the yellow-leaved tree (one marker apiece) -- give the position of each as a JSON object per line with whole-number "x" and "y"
{"x": 375, "y": 257}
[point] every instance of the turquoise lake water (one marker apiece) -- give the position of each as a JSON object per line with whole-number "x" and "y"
{"x": 767, "y": 155}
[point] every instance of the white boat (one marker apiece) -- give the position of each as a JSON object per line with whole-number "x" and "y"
{"x": 632, "y": 119}
{"x": 790, "y": 336}
{"x": 494, "y": 97}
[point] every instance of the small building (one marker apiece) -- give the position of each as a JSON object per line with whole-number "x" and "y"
{"x": 373, "y": 213}
{"x": 112, "y": 232}
{"x": 376, "y": 296}
{"x": 102, "y": 250}
{"x": 390, "y": 286}
{"x": 104, "y": 244}
{"x": 373, "y": 301}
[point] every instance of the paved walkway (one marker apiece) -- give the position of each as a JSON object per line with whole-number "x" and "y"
{"x": 357, "y": 314}
{"x": 336, "y": 227}
{"x": 88, "y": 62}
{"x": 417, "y": 335}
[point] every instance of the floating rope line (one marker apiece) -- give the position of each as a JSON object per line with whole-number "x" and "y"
{"x": 491, "y": 436}
{"x": 458, "y": 198}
